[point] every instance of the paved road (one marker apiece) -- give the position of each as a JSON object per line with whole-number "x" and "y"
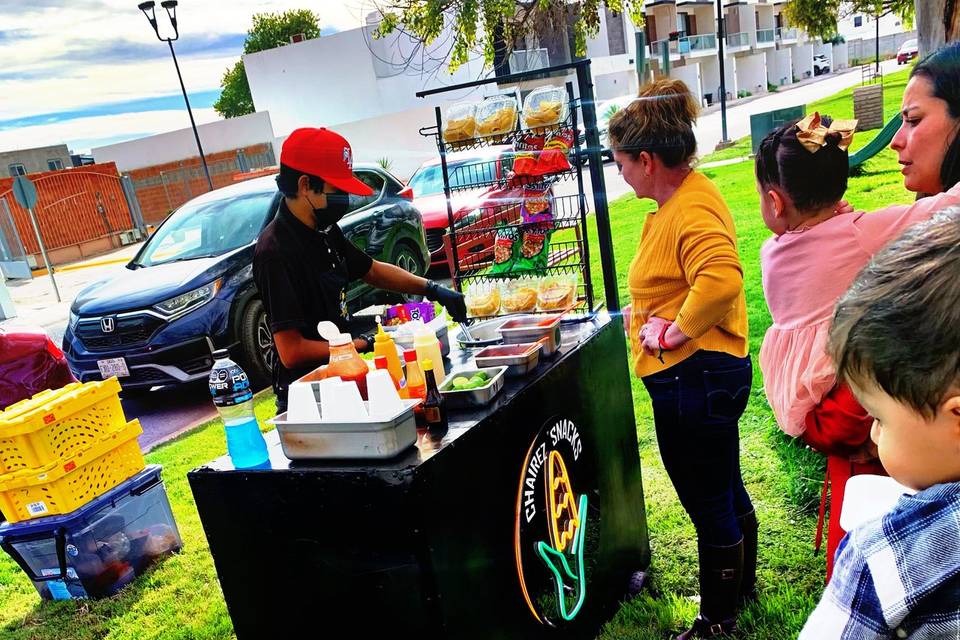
{"x": 166, "y": 412}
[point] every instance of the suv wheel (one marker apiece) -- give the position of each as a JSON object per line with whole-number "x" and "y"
{"x": 407, "y": 259}
{"x": 256, "y": 345}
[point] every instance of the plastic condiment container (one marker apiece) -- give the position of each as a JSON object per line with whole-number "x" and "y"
{"x": 428, "y": 348}
{"x": 346, "y": 363}
{"x": 383, "y": 345}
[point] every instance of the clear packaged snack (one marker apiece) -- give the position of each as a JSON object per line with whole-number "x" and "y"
{"x": 483, "y": 299}
{"x": 520, "y": 295}
{"x": 461, "y": 122}
{"x": 545, "y": 107}
{"x": 557, "y": 293}
{"x": 496, "y": 116}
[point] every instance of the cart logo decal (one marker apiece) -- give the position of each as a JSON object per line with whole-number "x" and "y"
{"x": 551, "y": 531}
{"x": 107, "y": 324}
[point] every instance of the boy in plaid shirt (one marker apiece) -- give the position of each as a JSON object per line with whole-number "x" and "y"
{"x": 896, "y": 340}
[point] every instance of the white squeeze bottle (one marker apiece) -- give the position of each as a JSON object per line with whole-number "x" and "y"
{"x": 428, "y": 348}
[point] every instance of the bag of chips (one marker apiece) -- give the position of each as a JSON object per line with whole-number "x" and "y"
{"x": 527, "y": 150}
{"x": 537, "y": 204}
{"x": 537, "y": 214}
{"x": 553, "y": 158}
{"x": 504, "y": 249}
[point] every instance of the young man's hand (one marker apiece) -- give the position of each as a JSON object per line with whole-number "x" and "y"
{"x": 451, "y": 300}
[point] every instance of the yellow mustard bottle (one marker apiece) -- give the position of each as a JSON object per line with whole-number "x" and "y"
{"x": 428, "y": 348}
{"x": 383, "y": 345}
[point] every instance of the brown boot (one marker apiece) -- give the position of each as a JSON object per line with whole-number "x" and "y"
{"x": 748, "y": 586}
{"x": 721, "y": 571}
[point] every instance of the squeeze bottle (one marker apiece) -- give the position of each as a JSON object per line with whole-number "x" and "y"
{"x": 383, "y": 345}
{"x": 428, "y": 348}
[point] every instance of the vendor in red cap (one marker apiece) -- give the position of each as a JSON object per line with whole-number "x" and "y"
{"x": 303, "y": 263}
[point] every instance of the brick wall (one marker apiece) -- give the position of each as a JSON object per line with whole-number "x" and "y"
{"x": 74, "y": 207}
{"x": 164, "y": 187}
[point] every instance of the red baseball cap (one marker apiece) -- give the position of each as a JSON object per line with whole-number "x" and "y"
{"x": 324, "y": 154}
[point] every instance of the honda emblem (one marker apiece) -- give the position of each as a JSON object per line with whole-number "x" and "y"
{"x": 107, "y": 324}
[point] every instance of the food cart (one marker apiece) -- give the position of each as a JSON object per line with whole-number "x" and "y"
{"x": 524, "y": 519}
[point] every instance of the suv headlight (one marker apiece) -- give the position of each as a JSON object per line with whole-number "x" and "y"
{"x": 74, "y": 319}
{"x": 189, "y": 301}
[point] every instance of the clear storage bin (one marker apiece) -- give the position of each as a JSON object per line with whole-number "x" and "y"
{"x": 545, "y": 107}
{"x": 460, "y": 122}
{"x": 497, "y": 116}
{"x": 97, "y": 549}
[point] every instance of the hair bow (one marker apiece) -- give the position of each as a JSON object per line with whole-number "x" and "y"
{"x": 812, "y": 134}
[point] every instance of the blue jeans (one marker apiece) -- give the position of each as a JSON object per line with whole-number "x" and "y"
{"x": 697, "y": 404}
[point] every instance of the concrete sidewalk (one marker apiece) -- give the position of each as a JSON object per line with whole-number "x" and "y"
{"x": 37, "y": 306}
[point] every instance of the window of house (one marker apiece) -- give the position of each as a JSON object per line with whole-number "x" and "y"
{"x": 56, "y": 164}
{"x": 17, "y": 169}
{"x": 858, "y": 21}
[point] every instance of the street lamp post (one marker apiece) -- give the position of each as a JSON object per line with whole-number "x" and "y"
{"x": 724, "y": 142}
{"x": 148, "y": 9}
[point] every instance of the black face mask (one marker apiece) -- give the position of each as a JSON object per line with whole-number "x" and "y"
{"x": 337, "y": 206}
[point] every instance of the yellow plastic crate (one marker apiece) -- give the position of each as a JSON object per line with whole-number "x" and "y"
{"x": 65, "y": 485}
{"x": 55, "y": 424}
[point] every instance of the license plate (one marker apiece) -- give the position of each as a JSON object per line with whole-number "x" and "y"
{"x": 113, "y": 367}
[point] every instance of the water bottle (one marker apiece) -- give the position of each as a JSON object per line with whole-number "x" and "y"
{"x": 233, "y": 398}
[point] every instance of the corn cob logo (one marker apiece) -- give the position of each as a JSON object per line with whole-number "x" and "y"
{"x": 551, "y": 529}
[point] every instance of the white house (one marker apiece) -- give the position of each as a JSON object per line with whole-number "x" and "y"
{"x": 761, "y": 48}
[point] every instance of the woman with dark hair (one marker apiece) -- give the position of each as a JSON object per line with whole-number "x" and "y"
{"x": 927, "y": 142}
{"x": 688, "y": 332}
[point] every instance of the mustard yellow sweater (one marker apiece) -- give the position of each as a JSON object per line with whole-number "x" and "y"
{"x": 687, "y": 270}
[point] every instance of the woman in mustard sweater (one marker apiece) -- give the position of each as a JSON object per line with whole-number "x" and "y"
{"x": 688, "y": 331}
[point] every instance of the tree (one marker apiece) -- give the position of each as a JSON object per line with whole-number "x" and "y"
{"x": 819, "y": 17}
{"x": 493, "y": 25}
{"x": 269, "y": 30}
{"x": 938, "y": 22}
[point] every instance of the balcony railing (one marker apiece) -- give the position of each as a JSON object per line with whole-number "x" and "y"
{"x": 765, "y": 35}
{"x": 741, "y": 39}
{"x": 786, "y": 33}
{"x": 703, "y": 42}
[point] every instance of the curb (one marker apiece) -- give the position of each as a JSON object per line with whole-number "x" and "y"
{"x": 77, "y": 267}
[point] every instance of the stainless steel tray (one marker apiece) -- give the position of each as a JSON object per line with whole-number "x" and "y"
{"x": 548, "y": 335}
{"x": 470, "y": 398}
{"x": 337, "y": 440}
{"x": 484, "y": 334}
{"x": 517, "y": 365}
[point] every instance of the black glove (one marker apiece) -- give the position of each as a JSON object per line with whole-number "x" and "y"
{"x": 451, "y": 300}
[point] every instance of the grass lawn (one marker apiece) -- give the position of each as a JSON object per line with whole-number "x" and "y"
{"x": 181, "y": 598}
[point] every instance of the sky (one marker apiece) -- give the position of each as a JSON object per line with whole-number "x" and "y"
{"x": 91, "y": 72}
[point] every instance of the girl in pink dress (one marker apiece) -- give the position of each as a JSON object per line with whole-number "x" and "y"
{"x": 818, "y": 248}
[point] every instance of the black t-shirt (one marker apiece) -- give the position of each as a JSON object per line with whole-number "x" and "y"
{"x": 302, "y": 275}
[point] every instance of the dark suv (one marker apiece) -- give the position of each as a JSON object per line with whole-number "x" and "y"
{"x": 190, "y": 288}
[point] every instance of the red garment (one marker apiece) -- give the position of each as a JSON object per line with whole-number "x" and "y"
{"x": 838, "y": 427}
{"x": 29, "y": 363}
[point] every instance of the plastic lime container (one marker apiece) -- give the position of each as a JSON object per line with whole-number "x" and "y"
{"x": 545, "y": 107}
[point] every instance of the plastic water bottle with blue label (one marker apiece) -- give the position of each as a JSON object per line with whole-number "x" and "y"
{"x": 233, "y": 398}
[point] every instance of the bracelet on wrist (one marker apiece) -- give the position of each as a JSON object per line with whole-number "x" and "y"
{"x": 662, "y": 340}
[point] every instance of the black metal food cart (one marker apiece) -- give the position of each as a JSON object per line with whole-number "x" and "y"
{"x": 525, "y": 519}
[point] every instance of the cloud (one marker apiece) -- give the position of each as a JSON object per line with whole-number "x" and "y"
{"x": 125, "y": 51}
{"x": 9, "y": 36}
{"x": 199, "y": 100}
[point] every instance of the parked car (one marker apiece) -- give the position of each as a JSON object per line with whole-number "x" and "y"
{"x": 820, "y": 65}
{"x": 482, "y": 166}
{"x": 908, "y": 51}
{"x": 190, "y": 289}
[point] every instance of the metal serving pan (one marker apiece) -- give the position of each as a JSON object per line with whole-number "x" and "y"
{"x": 337, "y": 440}
{"x": 526, "y": 329}
{"x": 469, "y": 398}
{"x": 520, "y": 359}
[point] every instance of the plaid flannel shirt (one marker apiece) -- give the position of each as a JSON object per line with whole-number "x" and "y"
{"x": 898, "y": 576}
